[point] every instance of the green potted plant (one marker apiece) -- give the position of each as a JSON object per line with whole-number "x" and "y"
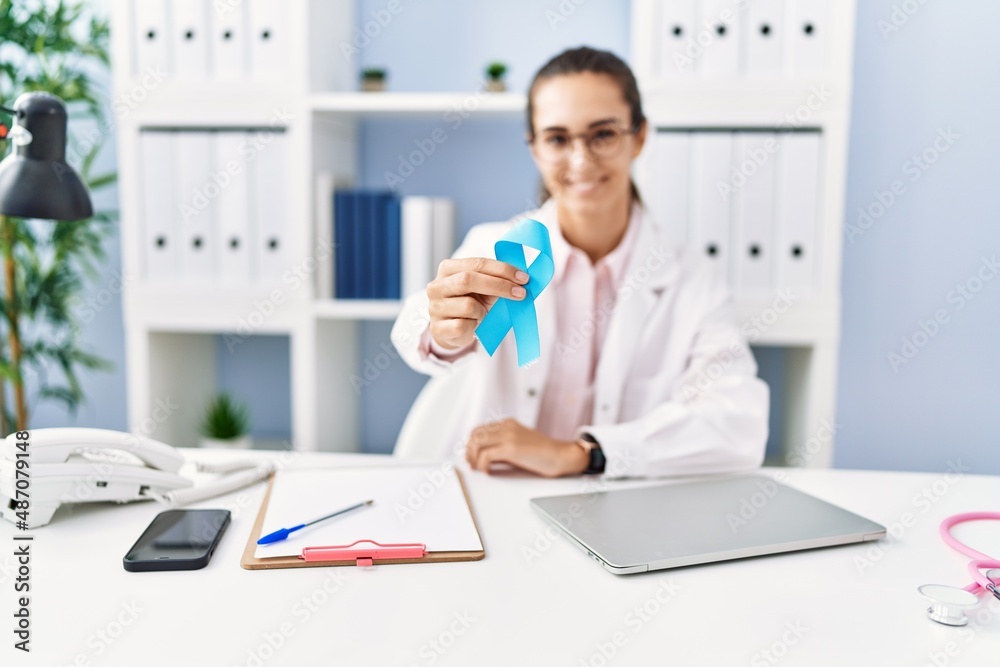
{"x": 226, "y": 424}
{"x": 373, "y": 79}
{"x": 55, "y": 47}
{"x": 494, "y": 77}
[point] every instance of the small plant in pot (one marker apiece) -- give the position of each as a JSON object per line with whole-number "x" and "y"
{"x": 494, "y": 77}
{"x": 373, "y": 79}
{"x": 226, "y": 424}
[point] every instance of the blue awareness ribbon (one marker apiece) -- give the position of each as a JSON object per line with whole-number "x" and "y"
{"x": 519, "y": 315}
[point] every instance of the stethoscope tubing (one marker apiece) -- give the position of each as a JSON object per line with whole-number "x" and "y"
{"x": 980, "y": 582}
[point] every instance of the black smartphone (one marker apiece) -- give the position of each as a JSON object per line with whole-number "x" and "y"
{"x": 177, "y": 540}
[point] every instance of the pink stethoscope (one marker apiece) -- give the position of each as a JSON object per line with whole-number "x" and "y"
{"x": 948, "y": 603}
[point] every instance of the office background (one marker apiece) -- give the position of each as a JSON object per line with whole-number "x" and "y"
{"x": 912, "y": 85}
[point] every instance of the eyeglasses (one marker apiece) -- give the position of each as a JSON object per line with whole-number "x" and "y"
{"x": 601, "y": 143}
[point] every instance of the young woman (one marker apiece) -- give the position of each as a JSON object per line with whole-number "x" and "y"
{"x": 643, "y": 370}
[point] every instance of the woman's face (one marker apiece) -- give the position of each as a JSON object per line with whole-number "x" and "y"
{"x": 567, "y": 109}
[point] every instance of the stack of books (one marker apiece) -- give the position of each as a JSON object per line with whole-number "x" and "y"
{"x": 384, "y": 246}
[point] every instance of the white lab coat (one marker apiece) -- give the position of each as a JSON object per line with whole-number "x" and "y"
{"x": 676, "y": 390}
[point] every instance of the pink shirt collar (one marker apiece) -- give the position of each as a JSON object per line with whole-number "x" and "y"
{"x": 614, "y": 262}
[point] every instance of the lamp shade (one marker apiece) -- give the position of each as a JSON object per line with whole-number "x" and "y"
{"x": 35, "y": 181}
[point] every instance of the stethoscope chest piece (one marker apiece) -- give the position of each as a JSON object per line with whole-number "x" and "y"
{"x": 948, "y": 604}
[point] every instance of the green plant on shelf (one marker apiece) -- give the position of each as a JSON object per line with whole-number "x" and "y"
{"x": 55, "y": 46}
{"x": 373, "y": 79}
{"x": 373, "y": 74}
{"x": 494, "y": 77}
{"x": 496, "y": 70}
{"x": 225, "y": 418}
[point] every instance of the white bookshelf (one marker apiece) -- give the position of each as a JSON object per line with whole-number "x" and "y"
{"x": 810, "y": 331}
{"x": 171, "y": 330}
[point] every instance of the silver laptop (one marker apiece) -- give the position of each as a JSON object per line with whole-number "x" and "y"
{"x": 704, "y": 521}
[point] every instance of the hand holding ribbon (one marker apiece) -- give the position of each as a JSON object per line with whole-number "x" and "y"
{"x": 519, "y": 315}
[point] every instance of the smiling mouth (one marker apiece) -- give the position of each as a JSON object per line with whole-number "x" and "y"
{"x": 586, "y": 186}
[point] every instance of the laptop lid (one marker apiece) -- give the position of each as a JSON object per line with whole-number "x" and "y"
{"x": 703, "y": 521}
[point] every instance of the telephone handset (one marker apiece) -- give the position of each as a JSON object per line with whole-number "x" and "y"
{"x": 73, "y": 465}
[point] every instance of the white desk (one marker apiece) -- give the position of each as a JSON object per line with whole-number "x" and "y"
{"x": 534, "y": 600}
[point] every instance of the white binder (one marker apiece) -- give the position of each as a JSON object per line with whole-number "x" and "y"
{"x": 711, "y": 159}
{"x": 417, "y": 232}
{"x": 797, "y": 215}
{"x": 764, "y": 33}
{"x": 720, "y": 58}
{"x": 807, "y": 36}
{"x": 673, "y": 183}
{"x": 160, "y": 244}
{"x": 753, "y": 234}
{"x": 190, "y": 39}
{"x": 676, "y": 27}
{"x": 232, "y": 208}
{"x": 326, "y": 254}
{"x": 269, "y": 39}
{"x": 151, "y": 36}
{"x": 272, "y": 253}
{"x": 444, "y": 231}
{"x": 228, "y": 41}
{"x": 193, "y": 206}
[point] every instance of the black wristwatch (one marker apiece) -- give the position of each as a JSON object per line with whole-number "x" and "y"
{"x": 597, "y": 460}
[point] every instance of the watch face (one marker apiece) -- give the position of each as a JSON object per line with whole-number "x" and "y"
{"x": 596, "y": 459}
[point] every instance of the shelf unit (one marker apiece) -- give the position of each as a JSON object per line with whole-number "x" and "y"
{"x": 810, "y": 329}
{"x": 170, "y": 331}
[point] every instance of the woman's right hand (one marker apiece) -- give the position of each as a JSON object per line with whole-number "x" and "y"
{"x": 464, "y": 291}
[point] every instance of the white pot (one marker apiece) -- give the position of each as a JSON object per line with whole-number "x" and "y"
{"x": 242, "y": 442}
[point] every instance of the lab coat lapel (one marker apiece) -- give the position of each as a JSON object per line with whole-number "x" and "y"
{"x": 652, "y": 268}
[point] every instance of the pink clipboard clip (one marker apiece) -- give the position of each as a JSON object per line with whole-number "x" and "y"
{"x": 363, "y": 556}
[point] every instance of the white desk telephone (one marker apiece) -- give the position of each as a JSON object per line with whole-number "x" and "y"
{"x": 74, "y": 465}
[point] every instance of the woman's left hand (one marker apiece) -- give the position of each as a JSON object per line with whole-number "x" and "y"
{"x": 510, "y": 442}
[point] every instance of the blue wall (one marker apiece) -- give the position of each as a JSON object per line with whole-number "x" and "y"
{"x": 937, "y": 72}
{"x": 927, "y": 76}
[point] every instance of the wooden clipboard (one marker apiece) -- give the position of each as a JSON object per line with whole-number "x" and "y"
{"x": 251, "y": 562}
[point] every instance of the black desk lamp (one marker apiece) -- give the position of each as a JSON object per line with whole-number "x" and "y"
{"x": 35, "y": 181}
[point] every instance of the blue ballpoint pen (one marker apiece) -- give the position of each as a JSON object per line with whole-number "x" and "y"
{"x": 282, "y": 533}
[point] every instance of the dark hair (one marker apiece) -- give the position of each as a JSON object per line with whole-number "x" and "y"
{"x": 586, "y": 59}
